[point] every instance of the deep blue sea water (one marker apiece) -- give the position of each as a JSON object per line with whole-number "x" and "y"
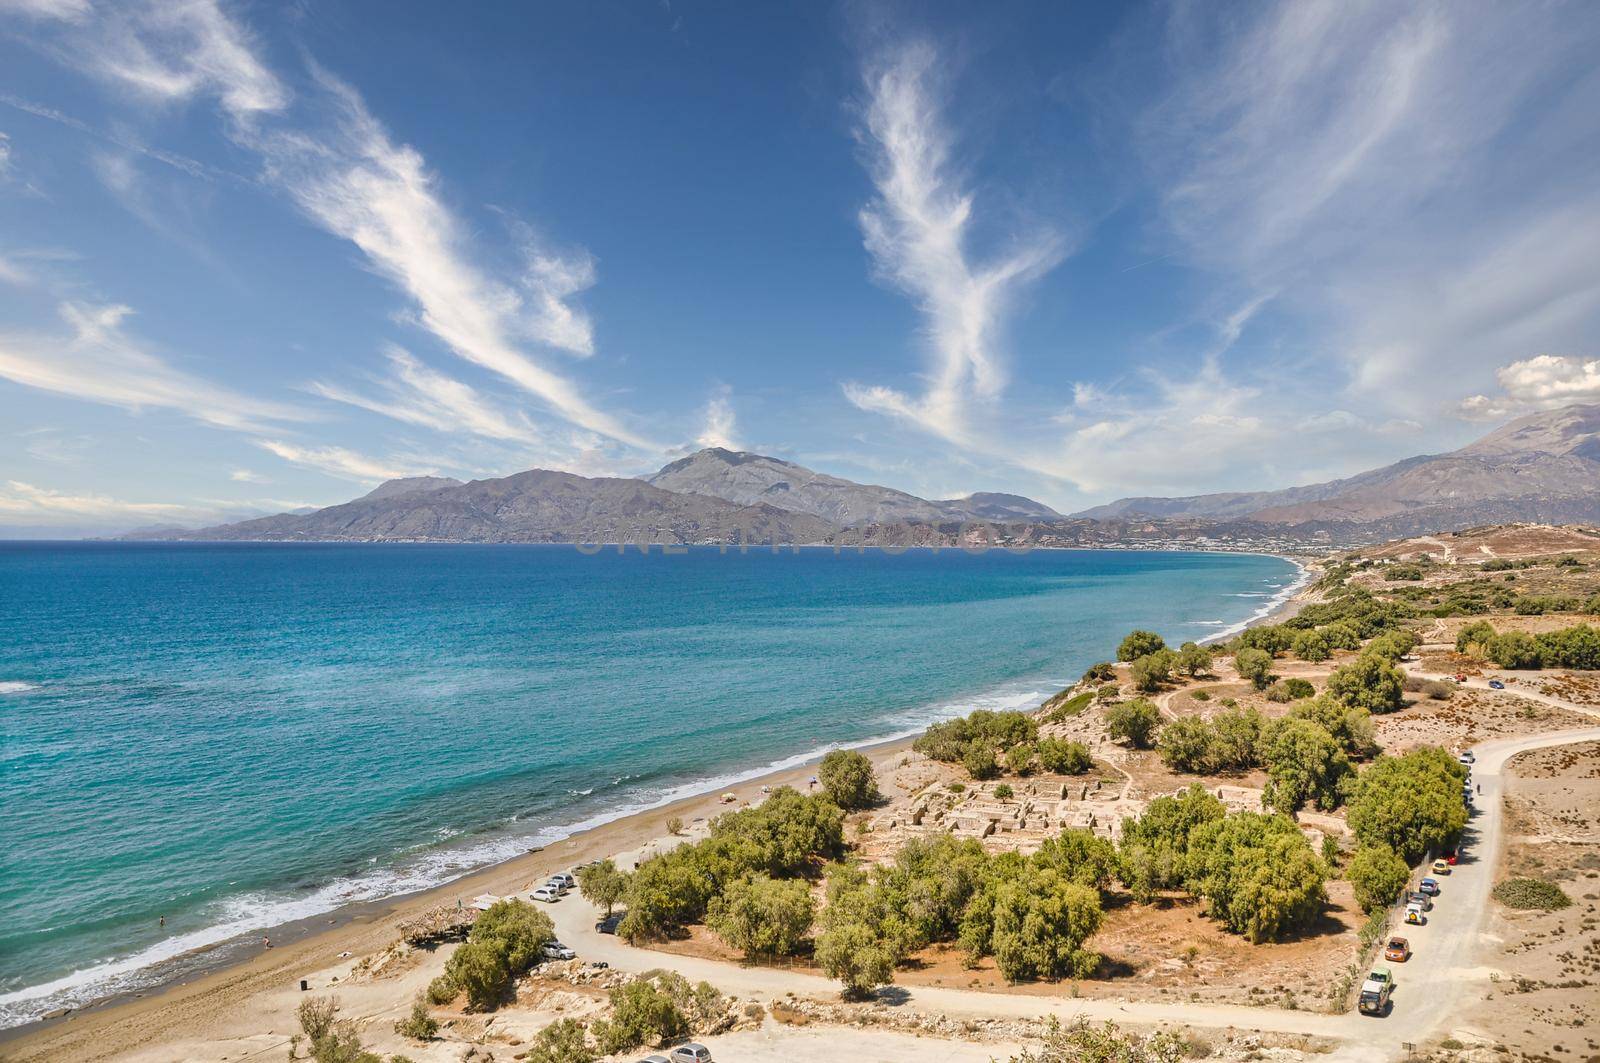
{"x": 235, "y": 736}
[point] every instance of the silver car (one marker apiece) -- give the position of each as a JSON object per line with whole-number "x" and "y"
{"x": 690, "y": 1053}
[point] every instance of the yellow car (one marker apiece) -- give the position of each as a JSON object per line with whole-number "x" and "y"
{"x": 1441, "y": 867}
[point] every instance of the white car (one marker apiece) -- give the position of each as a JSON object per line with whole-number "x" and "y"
{"x": 546, "y": 894}
{"x": 566, "y": 880}
{"x": 557, "y": 885}
{"x": 1467, "y": 758}
{"x": 555, "y": 950}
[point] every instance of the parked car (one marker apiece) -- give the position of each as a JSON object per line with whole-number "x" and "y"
{"x": 557, "y": 885}
{"x": 1419, "y": 898}
{"x": 609, "y": 924}
{"x": 690, "y": 1053}
{"x": 1451, "y": 856}
{"x": 545, "y": 894}
{"x": 656, "y": 1058}
{"x": 1398, "y": 950}
{"x": 1374, "y": 998}
{"x": 1414, "y": 916}
{"x": 1495, "y": 684}
{"x": 1441, "y": 867}
{"x": 565, "y": 879}
{"x": 1468, "y": 758}
{"x": 1429, "y": 886}
{"x": 555, "y": 950}
{"x": 1461, "y": 677}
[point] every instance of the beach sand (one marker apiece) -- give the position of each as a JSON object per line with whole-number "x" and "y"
{"x": 243, "y": 999}
{"x": 238, "y": 1003}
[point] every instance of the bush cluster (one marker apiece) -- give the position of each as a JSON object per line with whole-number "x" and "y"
{"x": 783, "y": 837}
{"x": 1257, "y": 873}
{"x": 1411, "y": 804}
{"x": 1033, "y": 914}
{"x": 1575, "y": 647}
{"x": 656, "y": 1009}
{"x": 847, "y": 779}
{"x": 1531, "y": 893}
{"x": 504, "y": 942}
{"x": 977, "y": 740}
{"x": 1134, "y": 721}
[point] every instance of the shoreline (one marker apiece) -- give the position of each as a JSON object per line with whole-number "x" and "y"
{"x": 320, "y": 940}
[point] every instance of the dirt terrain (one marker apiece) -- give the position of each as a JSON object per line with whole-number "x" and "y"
{"x": 1543, "y": 1002}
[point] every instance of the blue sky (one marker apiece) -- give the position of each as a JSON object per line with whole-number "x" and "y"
{"x": 259, "y": 256}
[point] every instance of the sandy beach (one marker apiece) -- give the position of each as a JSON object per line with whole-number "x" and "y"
{"x": 233, "y": 1000}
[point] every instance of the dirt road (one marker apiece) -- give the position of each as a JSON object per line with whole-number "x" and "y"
{"x": 1428, "y": 989}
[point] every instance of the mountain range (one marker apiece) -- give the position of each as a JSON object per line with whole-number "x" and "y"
{"x": 1543, "y": 467}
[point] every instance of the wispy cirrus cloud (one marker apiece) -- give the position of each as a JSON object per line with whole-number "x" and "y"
{"x": 41, "y": 505}
{"x": 98, "y": 361}
{"x": 1417, "y": 192}
{"x": 417, "y": 394}
{"x": 918, "y": 229}
{"x": 343, "y": 463}
{"x": 337, "y": 163}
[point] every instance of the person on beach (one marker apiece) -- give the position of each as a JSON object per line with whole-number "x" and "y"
{"x": 266, "y": 942}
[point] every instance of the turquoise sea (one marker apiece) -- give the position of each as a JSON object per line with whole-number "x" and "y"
{"x": 237, "y": 736}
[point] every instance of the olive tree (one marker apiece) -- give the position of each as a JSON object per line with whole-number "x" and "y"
{"x": 1138, "y": 643}
{"x": 1377, "y": 874}
{"x": 1135, "y": 721}
{"x": 847, "y": 779}
{"x": 761, "y": 916}
{"x": 1369, "y": 682}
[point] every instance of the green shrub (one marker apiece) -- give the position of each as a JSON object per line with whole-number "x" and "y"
{"x": 1003, "y": 791}
{"x": 1411, "y": 804}
{"x": 1254, "y": 666}
{"x": 1305, "y": 764}
{"x": 418, "y": 1025}
{"x": 1377, "y": 874}
{"x": 979, "y": 761}
{"x": 1531, "y": 893}
{"x": 442, "y": 990}
{"x": 1019, "y": 759}
{"x": 1515, "y": 649}
{"x": 847, "y": 779}
{"x": 1101, "y": 672}
{"x": 1154, "y": 848}
{"x": 480, "y": 968}
{"x": 1152, "y": 670}
{"x": 1063, "y": 758}
{"x": 1080, "y": 1041}
{"x": 602, "y": 884}
{"x": 761, "y": 916}
{"x": 1312, "y": 645}
{"x": 642, "y": 1013}
{"x": 1369, "y": 682}
{"x": 1134, "y": 721}
{"x": 1139, "y": 643}
{"x": 1257, "y": 874}
{"x": 1193, "y": 659}
{"x": 563, "y": 1041}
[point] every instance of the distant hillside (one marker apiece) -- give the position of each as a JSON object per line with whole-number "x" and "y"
{"x": 538, "y": 506}
{"x": 748, "y": 479}
{"x": 411, "y": 485}
{"x": 1543, "y": 467}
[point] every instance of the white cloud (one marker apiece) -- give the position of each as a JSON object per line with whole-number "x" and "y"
{"x": 45, "y": 506}
{"x": 719, "y": 427}
{"x": 342, "y": 463}
{"x": 5, "y": 155}
{"x": 346, "y": 174}
{"x": 1418, "y": 193}
{"x": 98, "y": 362}
{"x": 1545, "y": 381}
{"x": 65, "y": 10}
{"x": 361, "y": 186}
{"x": 917, "y": 231}
{"x": 420, "y": 395}
{"x": 245, "y": 476}
{"x": 171, "y": 51}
